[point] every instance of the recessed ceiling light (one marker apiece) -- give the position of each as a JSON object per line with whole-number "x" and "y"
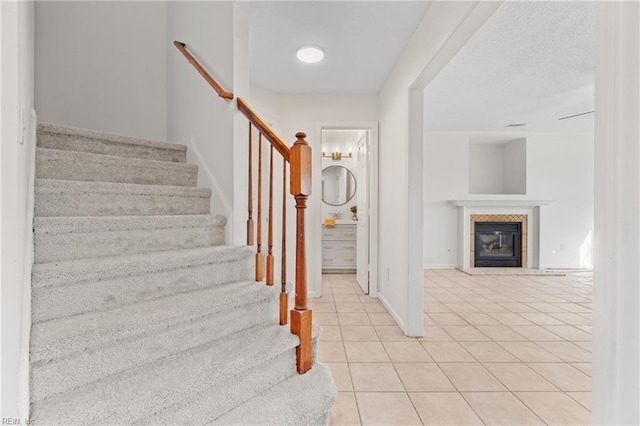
{"x": 310, "y": 54}
{"x": 516, "y": 125}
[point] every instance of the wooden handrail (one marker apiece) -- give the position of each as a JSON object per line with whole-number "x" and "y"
{"x": 219, "y": 90}
{"x": 263, "y": 128}
{"x": 299, "y": 158}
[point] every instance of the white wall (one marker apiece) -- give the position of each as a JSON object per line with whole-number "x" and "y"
{"x": 446, "y": 176}
{"x": 290, "y": 114}
{"x": 102, "y": 65}
{"x": 198, "y": 116}
{"x": 17, "y": 149}
{"x": 559, "y": 168}
{"x": 112, "y": 66}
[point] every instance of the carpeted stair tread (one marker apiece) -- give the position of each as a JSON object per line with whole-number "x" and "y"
{"x": 131, "y": 395}
{"x": 76, "y": 286}
{"x": 75, "y": 198}
{"x": 56, "y": 136}
{"x": 110, "y": 267}
{"x": 81, "y": 237}
{"x": 83, "y": 166}
{"x": 299, "y": 400}
{"x": 94, "y": 330}
{"x": 88, "y": 224}
{"x": 208, "y": 317}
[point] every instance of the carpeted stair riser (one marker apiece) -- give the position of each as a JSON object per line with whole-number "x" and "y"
{"x": 300, "y": 400}
{"x": 141, "y": 392}
{"x": 55, "y": 136}
{"x": 74, "y": 287}
{"x": 51, "y": 377}
{"x": 69, "y": 198}
{"x": 81, "y": 166}
{"x": 95, "y": 330}
{"x": 198, "y": 408}
{"x": 68, "y": 238}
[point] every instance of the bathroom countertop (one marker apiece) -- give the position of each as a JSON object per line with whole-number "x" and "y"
{"x": 344, "y": 222}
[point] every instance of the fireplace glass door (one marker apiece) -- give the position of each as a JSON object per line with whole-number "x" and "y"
{"x": 498, "y": 244}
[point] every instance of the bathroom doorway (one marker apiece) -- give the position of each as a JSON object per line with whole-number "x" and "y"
{"x": 347, "y": 211}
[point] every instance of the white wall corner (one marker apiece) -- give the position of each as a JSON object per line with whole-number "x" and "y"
{"x": 445, "y": 28}
{"x": 415, "y": 179}
{"x": 219, "y": 203}
{"x": 399, "y": 319}
{"x": 241, "y": 88}
{"x": 616, "y": 298}
{"x": 17, "y": 160}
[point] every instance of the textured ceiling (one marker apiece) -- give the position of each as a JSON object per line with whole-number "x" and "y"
{"x": 362, "y": 41}
{"x": 532, "y": 62}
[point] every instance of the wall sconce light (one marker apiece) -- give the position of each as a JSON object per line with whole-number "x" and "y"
{"x": 336, "y": 155}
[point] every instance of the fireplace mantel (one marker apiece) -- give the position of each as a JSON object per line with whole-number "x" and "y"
{"x": 496, "y": 202}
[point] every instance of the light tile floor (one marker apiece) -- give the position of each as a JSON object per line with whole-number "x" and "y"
{"x": 511, "y": 350}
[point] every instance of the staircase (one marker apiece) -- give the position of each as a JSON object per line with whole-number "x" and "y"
{"x": 140, "y": 313}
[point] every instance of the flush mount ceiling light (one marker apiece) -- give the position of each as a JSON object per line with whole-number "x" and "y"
{"x": 310, "y": 54}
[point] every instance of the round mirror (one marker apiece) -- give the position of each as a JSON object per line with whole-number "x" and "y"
{"x": 338, "y": 185}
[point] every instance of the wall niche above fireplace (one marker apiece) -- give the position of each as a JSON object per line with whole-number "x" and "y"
{"x": 498, "y": 166}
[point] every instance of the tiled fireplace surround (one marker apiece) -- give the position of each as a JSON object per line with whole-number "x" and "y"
{"x": 503, "y": 218}
{"x": 528, "y": 212}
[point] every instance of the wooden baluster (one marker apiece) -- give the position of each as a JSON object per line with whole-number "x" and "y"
{"x": 259, "y": 218}
{"x": 300, "y": 188}
{"x": 284, "y": 297}
{"x": 250, "y": 192}
{"x": 270, "y": 229}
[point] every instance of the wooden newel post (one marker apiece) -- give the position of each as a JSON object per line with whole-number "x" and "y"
{"x": 300, "y": 188}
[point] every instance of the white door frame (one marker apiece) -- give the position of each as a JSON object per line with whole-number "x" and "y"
{"x": 363, "y": 158}
{"x": 316, "y": 205}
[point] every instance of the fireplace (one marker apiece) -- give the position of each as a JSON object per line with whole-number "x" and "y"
{"x": 498, "y": 240}
{"x": 498, "y": 244}
{"x": 505, "y": 209}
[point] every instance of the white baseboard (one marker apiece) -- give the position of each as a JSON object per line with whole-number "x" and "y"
{"x": 565, "y": 267}
{"x": 439, "y": 266}
{"x": 213, "y": 184}
{"x": 393, "y": 313}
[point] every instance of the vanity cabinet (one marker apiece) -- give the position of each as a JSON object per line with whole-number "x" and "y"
{"x": 339, "y": 248}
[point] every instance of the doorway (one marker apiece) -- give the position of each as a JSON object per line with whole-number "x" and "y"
{"x": 348, "y": 204}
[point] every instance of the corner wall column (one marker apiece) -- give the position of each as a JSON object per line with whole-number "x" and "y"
{"x": 616, "y": 319}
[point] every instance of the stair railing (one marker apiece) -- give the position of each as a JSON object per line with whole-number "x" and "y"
{"x": 299, "y": 158}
